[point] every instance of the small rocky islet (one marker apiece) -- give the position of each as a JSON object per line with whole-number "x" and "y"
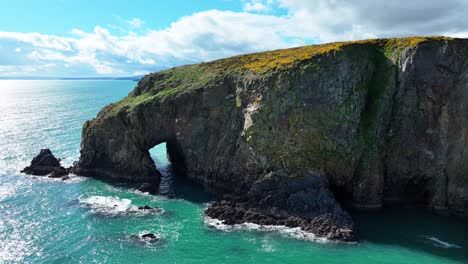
{"x": 46, "y": 164}
{"x": 293, "y": 137}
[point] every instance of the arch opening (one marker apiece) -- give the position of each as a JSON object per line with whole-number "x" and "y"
{"x": 169, "y": 161}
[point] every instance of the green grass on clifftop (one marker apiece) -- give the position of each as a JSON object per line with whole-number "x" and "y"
{"x": 173, "y": 82}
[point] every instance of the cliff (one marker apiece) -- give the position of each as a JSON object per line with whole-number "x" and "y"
{"x": 369, "y": 123}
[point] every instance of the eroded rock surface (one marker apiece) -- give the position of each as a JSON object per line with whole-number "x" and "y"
{"x": 383, "y": 121}
{"x": 301, "y": 201}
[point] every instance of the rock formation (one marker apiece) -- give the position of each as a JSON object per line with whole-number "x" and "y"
{"x": 279, "y": 199}
{"x": 46, "y": 164}
{"x": 371, "y": 123}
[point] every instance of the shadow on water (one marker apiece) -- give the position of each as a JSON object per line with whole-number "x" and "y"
{"x": 416, "y": 229}
{"x": 173, "y": 185}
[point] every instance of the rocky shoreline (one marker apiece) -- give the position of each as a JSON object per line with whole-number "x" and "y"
{"x": 303, "y": 201}
{"x": 326, "y": 226}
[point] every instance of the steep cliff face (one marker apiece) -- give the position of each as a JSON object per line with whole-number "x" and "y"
{"x": 378, "y": 121}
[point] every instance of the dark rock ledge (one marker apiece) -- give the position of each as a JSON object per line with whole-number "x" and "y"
{"x": 303, "y": 202}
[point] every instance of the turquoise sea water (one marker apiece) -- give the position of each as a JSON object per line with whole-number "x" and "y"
{"x": 85, "y": 220}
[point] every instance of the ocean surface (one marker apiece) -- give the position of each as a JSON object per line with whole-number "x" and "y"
{"x": 88, "y": 221}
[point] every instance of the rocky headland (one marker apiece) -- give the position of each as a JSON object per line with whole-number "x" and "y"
{"x": 293, "y": 136}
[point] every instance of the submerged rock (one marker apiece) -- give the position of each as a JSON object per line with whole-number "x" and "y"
{"x": 148, "y": 187}
{"x": 65, "y": 178}
{"x": 45, "y": 163}
{"x": 148, "y": 208}
{"x": 147, "y": 238}
{"x": 384, "y": 121}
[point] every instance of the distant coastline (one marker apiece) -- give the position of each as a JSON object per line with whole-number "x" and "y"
{"x": 131, "y": 78}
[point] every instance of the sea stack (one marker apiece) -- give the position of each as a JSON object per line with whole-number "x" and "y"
{"x": 46, "y": 164}
{"x": 298, "y": 133}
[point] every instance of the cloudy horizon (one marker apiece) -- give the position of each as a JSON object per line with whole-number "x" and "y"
{"x": 127, "y": 44}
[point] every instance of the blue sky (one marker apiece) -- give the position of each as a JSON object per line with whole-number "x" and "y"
{"x": 59, "y": 17}
{"x": 60, "y": 38}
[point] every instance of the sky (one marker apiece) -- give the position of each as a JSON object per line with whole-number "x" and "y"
{"x": 84, "y": 38}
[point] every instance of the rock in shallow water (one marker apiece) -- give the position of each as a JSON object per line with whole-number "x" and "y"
{"x": 149, "y": 209}
{"x": 151, "y": 188}
{"x": 147, "y": 238}
{"x": 45, "y": 163}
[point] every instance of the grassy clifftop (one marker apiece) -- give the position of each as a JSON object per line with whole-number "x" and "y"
{"x": 175, "y": 81}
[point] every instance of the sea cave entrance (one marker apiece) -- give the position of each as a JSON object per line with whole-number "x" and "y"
{"x": 169, "y": 162}
{"x": 163, "y": 164}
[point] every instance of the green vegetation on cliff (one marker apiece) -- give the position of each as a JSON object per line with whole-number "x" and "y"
{"x": 173, "y": 82}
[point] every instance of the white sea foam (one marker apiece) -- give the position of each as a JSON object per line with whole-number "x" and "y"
{"x": 72, "y": 178}
{"x": 295, "y": 232}
{"x": 107, "y": 204}
{"x": 136, "y": 191}
{"x": 440, "y": 243}
{"x": 111, "y": 205}
{"x": 267, "y": 246}
{"x": 75, "y": 179}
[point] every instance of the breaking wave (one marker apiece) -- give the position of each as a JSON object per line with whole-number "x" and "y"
{"x": 114, "y": 206}
{"x": 440, "y": 243}
{"x": 295, "y": 232}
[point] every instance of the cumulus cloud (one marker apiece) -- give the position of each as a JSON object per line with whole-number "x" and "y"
{"x": 215, "y": 34}
{"x": 340, "y": 19}
{"x": 203, "y": 36}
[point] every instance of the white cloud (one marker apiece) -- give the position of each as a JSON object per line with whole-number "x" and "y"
{"x": 39, "y": 40}
{"x": 201, "y": 37}
{"x": 257, "y": 6}
{"x": 215, "y": 34}
{"x": 136, "y": 22}
{"x": 334, "y": 20}
{"x": 20, "y": 70}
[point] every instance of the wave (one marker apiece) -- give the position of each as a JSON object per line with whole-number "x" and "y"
{"x": 295, "y": 232}
{"x": 440, "y": 243}
{"x": 114, "y": 206}
{"x": 72, "y": 178}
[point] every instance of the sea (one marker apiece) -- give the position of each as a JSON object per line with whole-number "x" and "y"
{"x": 84, "y": 220}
